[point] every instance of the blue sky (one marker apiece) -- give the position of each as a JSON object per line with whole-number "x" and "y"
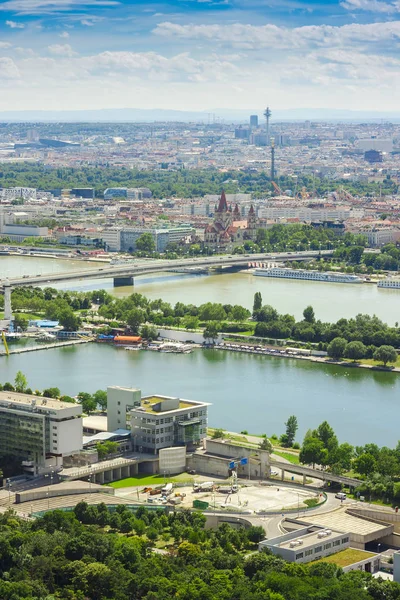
{"x": 199, "y": 54}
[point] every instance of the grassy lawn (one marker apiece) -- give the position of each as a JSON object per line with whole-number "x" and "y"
{"x": 376, "y": 363}
{"x": 27, "y": 315}
{"x": 292, "y": 458}
{"x": 151, "y": 480}
{"x": 346, "y": 557}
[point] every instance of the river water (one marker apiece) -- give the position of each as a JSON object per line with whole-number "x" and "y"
{"x": 256, "y": 393}
{"x": 331, "y": 301}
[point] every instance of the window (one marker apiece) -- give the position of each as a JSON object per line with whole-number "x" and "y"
{"x": 308, "y": 552}
{"x": 327, "y": 546}
{"x": 337, "y": 543}
{"x": 299, "y": 555}
{"x": 318, "y": 549}
{"x": 345, "y": 540}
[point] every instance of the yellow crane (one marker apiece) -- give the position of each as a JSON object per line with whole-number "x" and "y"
{"x": 3, "y": 335}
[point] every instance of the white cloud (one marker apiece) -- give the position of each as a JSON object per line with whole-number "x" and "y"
{"x": 5, "y": 45}
{"x": 15, "y": 25}
{"x": 37, "y": 7}
{"x": 156, "y": 66}
{"x": 278, "y": 38}
{"x": 61, "y": 50}
{"x": 371, "y": 5}
{"x": 64, "y": 35}
{"x": 8, "y": 69}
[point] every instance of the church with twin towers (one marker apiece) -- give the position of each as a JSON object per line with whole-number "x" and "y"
{"x": 228, "y": 228}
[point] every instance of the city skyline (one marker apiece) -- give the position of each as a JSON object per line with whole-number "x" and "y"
{"x": 232, "y": 54}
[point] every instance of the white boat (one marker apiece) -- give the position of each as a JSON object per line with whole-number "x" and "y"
{"x": 308, "y": 275}
{"x": 390, "y": 282}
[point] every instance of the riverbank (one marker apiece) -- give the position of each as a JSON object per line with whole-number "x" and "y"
{"x": 292, "y": 354}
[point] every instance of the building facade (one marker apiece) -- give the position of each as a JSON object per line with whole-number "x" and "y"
{"x": 162, "y": 421}
{"x": 307, "y": 544}
{"x": 39, "y": 431}
{"x": 228, "y": 228}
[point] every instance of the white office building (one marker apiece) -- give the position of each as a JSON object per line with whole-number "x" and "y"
{"x": 307, "y": 544}
{"x": 39, "y": 431}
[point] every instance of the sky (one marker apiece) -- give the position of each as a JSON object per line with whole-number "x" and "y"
{"x": 199, "y": 54}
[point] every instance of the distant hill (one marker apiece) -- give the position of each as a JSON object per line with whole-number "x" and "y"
{"x": 228, "y": 115}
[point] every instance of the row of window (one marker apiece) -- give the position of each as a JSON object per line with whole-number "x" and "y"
{"x": 318, "y": 549}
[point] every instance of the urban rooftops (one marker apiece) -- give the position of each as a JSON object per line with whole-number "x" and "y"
{"x": 30, "y": 402}
{"x": 161, "y": 404}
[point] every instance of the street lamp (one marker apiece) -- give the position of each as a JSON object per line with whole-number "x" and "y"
{"x": 9, "y": 484}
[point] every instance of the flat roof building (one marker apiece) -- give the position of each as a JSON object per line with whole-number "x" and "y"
{"x": 39, "y": 431}
{"x": 156, "y": 421}
{"x": 307, "y": 544}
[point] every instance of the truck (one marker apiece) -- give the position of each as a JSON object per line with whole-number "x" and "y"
{"x": 167, "y": 489}
{"x": 206, "y": 486}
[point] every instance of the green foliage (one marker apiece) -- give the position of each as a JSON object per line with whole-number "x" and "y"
{"x": 100, "y": 397}
{"x": 257, "y": 304}
{"x": 337, "y": 348}
{"x": 385, "y": 354}
{"x": 291, "y": 428}
{"x": 52, "y": 392}
{"x": 265, "y": 444}
{"x": 146, "y": 243}
{"x": 106, "y": 448}
{"x": 87, "y": 401}
{"x": 20, "y": 382}
{"x": 217, "y": 434}
{"x": 211, "y": 332}
{"x": 97, "y": 554}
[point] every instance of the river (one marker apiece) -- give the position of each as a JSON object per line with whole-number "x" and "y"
{"x": 331, "y": 301}
{"x": 257, "y": 393}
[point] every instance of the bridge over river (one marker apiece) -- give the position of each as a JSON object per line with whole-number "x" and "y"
{"x": 125, "y": 274}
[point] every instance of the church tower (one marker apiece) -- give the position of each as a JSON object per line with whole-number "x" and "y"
{"x": 223, "y": 216}
{"x": 252, "y": 224}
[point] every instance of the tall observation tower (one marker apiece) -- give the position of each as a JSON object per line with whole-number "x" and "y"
{"x": 267, "y": 115}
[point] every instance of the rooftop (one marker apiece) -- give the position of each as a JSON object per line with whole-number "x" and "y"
{"x": 150, "y": 403}
{"x": 31, "y": 401}
{"x": 312, "y": 538}
{"x": 347, "y": 557}
{"x": 345, "y": 522}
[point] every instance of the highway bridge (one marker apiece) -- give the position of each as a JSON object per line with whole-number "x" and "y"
{"x": 125, "y": 274}
{"x": 313, "y": 473}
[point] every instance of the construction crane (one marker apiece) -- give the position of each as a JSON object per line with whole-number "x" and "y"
{"x": 3, "y": 335}
{"x": 277, "y": 188}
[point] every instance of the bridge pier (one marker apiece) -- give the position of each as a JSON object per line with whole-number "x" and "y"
{"x": 123, "y": 281}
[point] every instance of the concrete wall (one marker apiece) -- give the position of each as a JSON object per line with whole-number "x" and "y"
{"x": 58, "y": 491}
{"x": 259, "y": 459}
{"x": 172, "y": 460}
{"x": 218, "y": 466}
{"x": 183, "y": 336}
{"x": 119, "y": 400}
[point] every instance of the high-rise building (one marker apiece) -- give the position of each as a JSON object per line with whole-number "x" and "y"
{"x": 253, "y": 120}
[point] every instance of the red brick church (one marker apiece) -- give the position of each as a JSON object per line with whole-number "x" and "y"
{"x": 228, "y": 228}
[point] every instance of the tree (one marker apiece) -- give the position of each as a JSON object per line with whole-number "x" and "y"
{"x": 257, "y": 304}
{"x": 106, "y": 448}
{"x": 355, "y": 350}
{"x": 100, "y": 397}
{"x": 217, "y": 434}
{"x": 53, "y": 392}
{"x": 265, "y": 444}
{"x": 20, "y": 382}
{"x": 135, "y": 318}
{"x": 309, "y": 315}
{"x": 68, "y": 319}
{"x": 365, "y": 464}
{"x": 337, "y": 348}
{"x": 327, "y": 436}
{"x": 239, "y": 313}
{"x": 145, "y": 243}
{"x": 385, "y": 354}
{"x": 87, "y": 401}
{"x": 20, "y": 322}
{"x": 149, "y": 332}
{"x": 291, "y": 428}
{"x": 313, "y": 451}
{"x": 211, "y": 332}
